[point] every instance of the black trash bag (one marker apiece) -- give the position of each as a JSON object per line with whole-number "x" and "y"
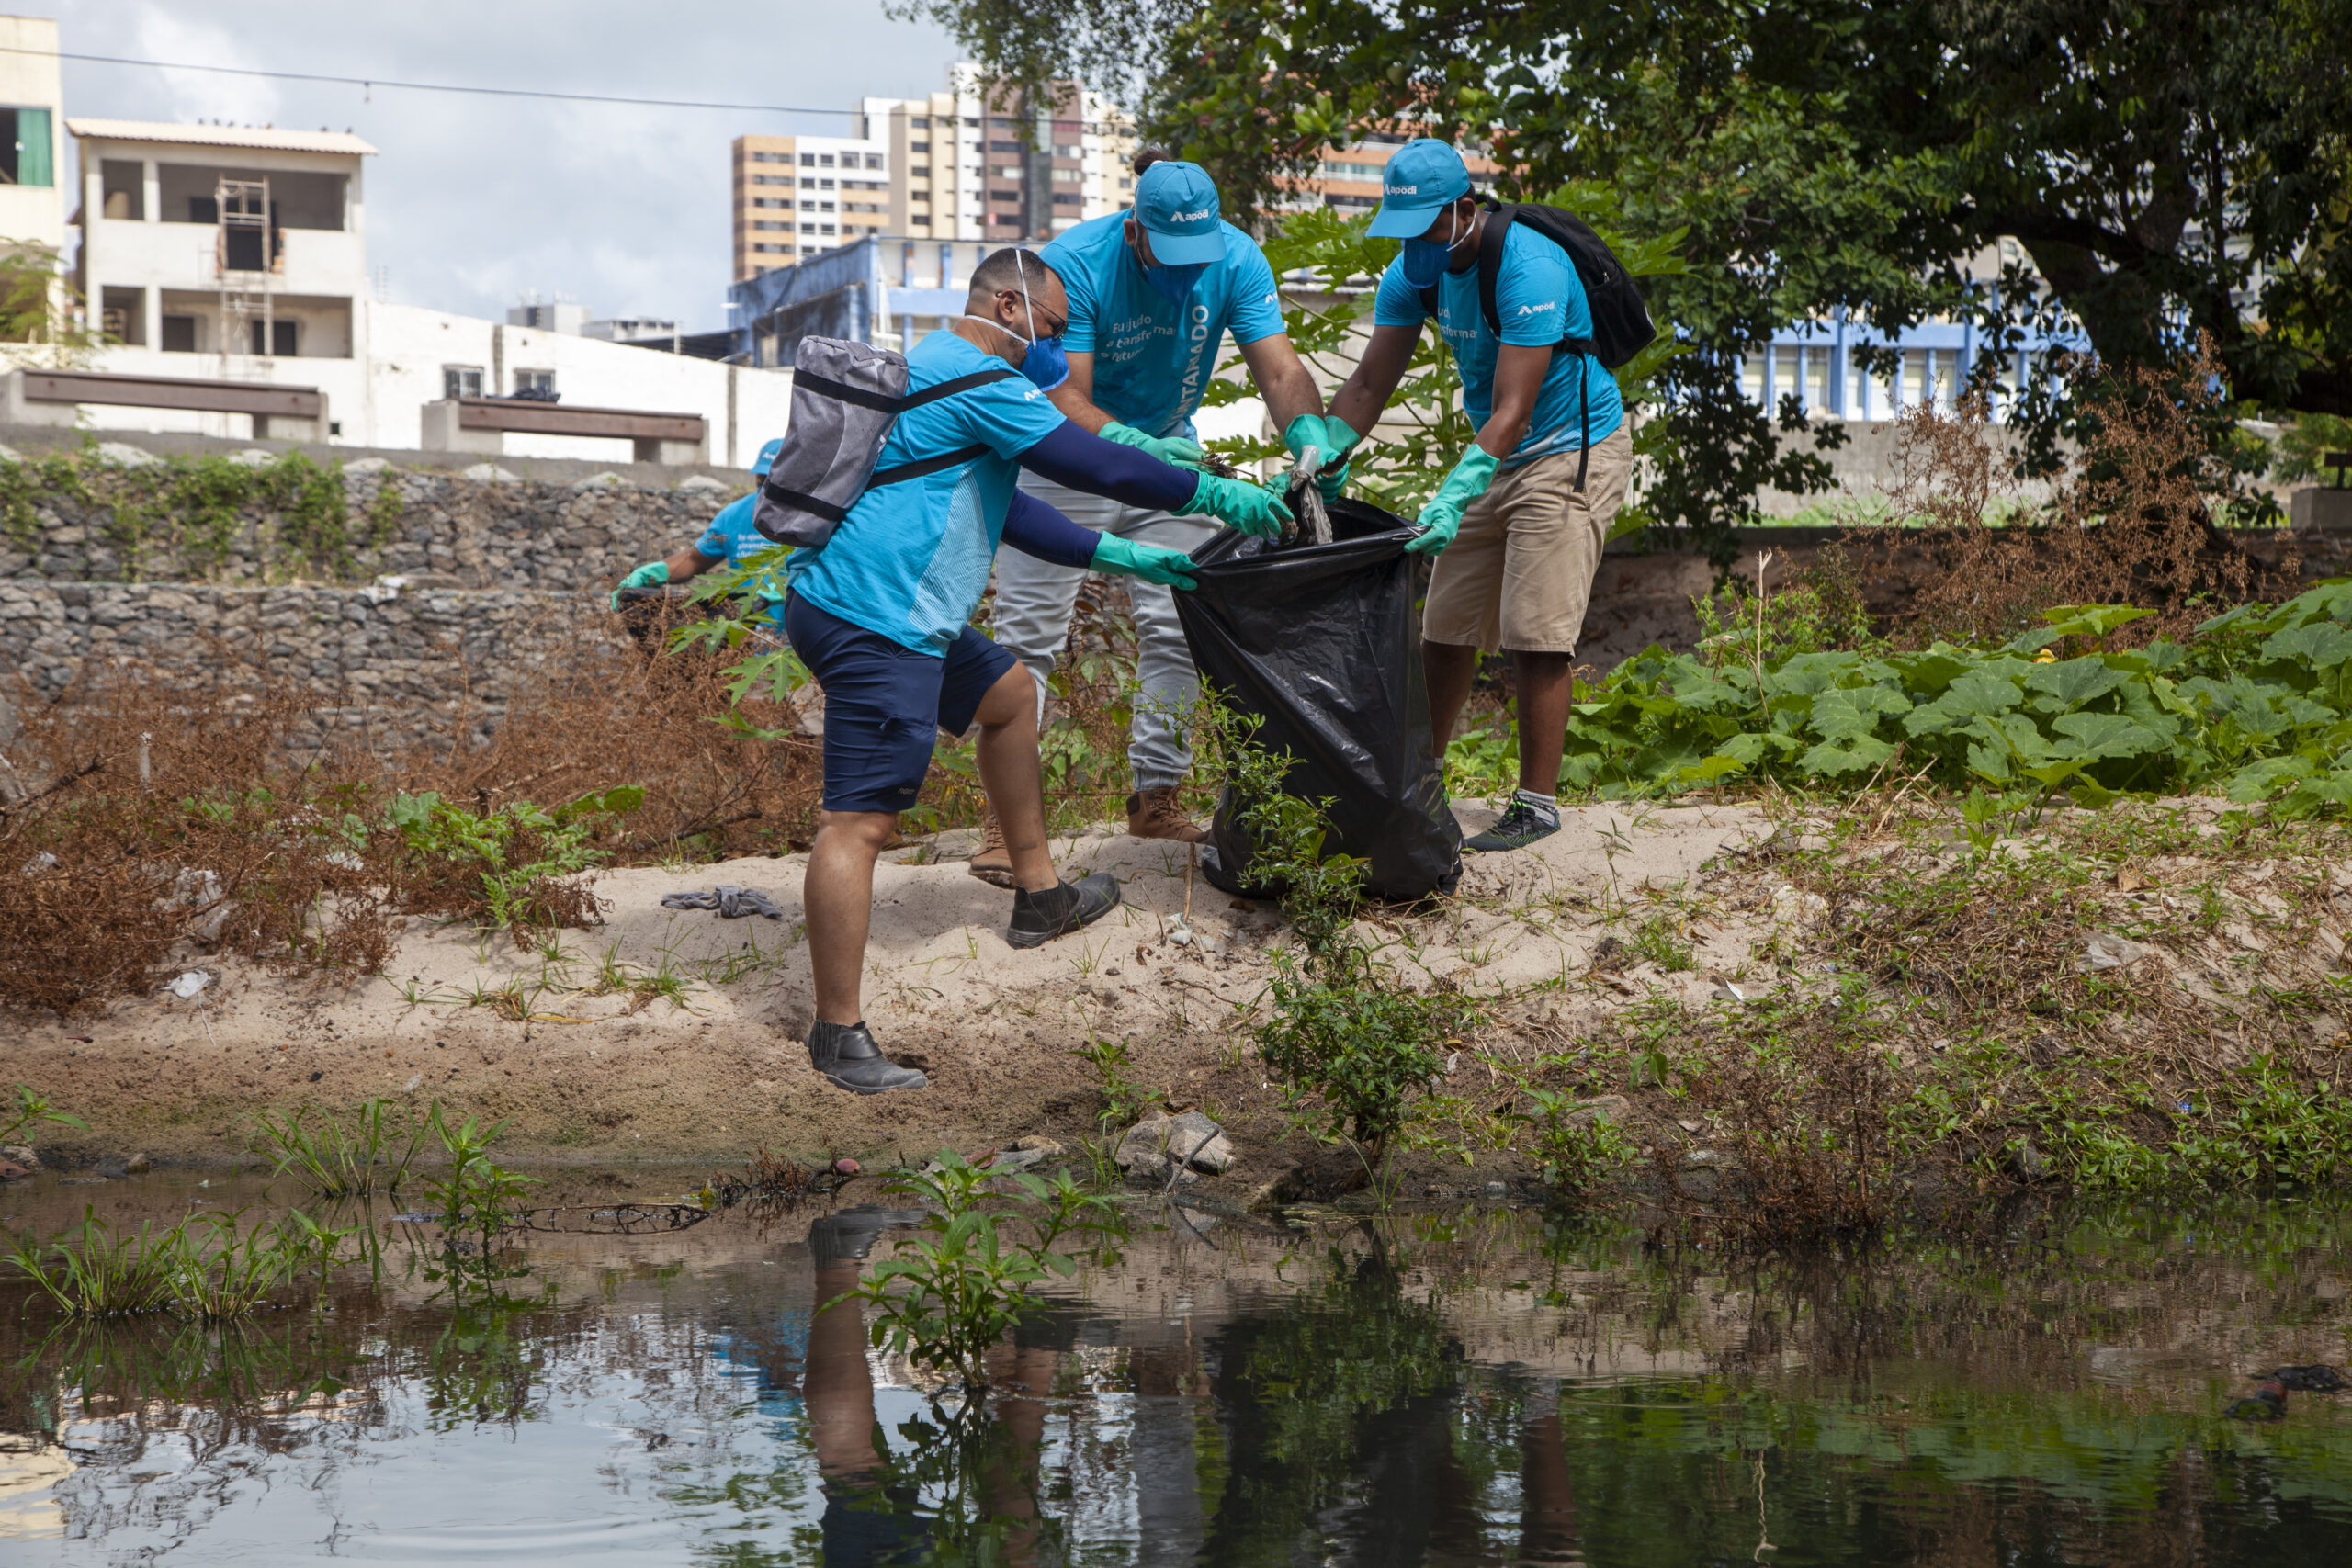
{"x": 1323, "y": 642}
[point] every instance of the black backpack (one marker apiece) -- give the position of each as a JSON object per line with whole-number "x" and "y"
{"x": 1620, "y": 322}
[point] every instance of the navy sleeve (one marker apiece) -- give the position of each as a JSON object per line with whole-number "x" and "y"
{"x": 1037, "y": 529}
{"x": 1077, "y": 458}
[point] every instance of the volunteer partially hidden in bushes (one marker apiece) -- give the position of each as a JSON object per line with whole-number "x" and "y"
{"x": 1521, "y": 519}
{"x": 879, "y": 614}
{"x": 729, "y": 538}
{"x": 1152, "y": 294}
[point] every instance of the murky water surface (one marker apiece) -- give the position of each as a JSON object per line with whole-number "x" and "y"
{"x": 1477, "y": 1389}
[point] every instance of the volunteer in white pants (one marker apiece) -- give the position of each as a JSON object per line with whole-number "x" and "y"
{"x": 1152, "y": 294}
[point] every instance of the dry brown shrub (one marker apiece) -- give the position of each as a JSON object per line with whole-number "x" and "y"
{"x": 2132, "y": 522}
{"x": 153, "y": 815}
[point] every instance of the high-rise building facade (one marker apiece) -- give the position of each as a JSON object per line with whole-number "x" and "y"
{"x": 798, "y": 195}
{"x": 963, "y": 169}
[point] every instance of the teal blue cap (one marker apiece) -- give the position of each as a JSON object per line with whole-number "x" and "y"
{"x": 766, "y": 460}
{"x": 1423, "y": 177}
{"x": 1176, "y": 204}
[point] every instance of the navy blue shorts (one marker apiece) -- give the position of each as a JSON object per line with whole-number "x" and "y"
{"x": 885, "y": 703}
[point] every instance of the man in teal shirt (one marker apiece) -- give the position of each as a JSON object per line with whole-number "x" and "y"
{"x": 729, "y": 541}
{"x": 1152, "y": 294}
{"x": 1523, "y": 518}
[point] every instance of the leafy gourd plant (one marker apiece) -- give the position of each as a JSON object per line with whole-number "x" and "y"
{"x": 2255, "y": 706}
{"x": 951, "y": 1295}
{"x": 506, "y": 867}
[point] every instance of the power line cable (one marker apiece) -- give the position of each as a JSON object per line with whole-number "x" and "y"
{"x": 371, "y": 83}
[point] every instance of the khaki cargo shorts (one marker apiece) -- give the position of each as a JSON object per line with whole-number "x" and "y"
{"x": 1518, "y": 574}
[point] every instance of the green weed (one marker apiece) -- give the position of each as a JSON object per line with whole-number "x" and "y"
{"x": 370, "y": 1155}
{"x": 948, "y": 1298}
{"x": 1124, "y": 1099}
{"x": 33, "y": 1110}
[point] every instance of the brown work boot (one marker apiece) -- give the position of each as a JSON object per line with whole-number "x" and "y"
{"x": 991, "y": 862}
{"x": 1155, "y": 814}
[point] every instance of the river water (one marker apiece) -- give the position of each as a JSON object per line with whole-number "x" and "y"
{"x": 1489, "y": 1387}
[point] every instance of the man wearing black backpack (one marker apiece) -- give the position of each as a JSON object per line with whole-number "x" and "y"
{"x": 1521, "y": 519}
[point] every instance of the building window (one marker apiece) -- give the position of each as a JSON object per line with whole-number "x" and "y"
{"x": 919, "y": 221}
{"x": 825, "y": 228}
{"x": 920, "y": 121}
{"x": 1012, "y": 217}
{"x": 535, "y": 383}
{"x": 1004, "y": 146}
{"x": 808, "y": 160}
{"x": 124, "y": 182}
{"x": 25, "y": 148}
{"x": 179, "y": 335}
{"x": 765, "y": 223}
{"x": 1060, "y": 200}
{"x": 825, "y": 185}
{"x": 284, "y": 339}
{"x": 1070, "y": 150}
{"x": 824, "y": 160}
{"x": 770, "y": 157}
{"x": 461, "y": 380}
{"x": 1004, "y": 196}
{"x": 1070, "y": 177}
{"x": 918, "y": 146}
{"x": 771, "y": 250}
{"x": 874, "y": 160}
{"x": 771, "y": 179}
{"x": 919, "y": 172}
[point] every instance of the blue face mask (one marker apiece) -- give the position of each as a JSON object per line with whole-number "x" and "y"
{"x": 1174, "y": 282}
{"x": 1425, "y": 260}
{"x": 1046, "y": 364}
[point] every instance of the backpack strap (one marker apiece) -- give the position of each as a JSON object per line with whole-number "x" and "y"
{"x": 922, "y": 465}
{"x": 882, "y": 403}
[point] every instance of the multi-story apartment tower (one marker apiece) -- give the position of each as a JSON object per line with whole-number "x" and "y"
{"x": 796, "y": 196}
{"x": 963, "y": 169}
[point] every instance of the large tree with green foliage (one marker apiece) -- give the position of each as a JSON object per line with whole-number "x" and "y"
{"x": 2166, "y": 164}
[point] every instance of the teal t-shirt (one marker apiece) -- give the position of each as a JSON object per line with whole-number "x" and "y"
{"x": 731, "y": 538}
{"x": 911, "y": 560}
{"x": 1541, "y": 301}
{"x": 1153, "y": 356}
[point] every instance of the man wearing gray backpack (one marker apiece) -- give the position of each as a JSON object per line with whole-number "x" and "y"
{"x": 882, "y": 586}
{"x": 1520, "y": 522}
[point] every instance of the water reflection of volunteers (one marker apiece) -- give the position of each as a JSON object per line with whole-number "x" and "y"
{"x": 1153, "y": 293}
{"x": 1523, "y": 517}
{"x": 880, "y": 615}
{"x": 729, "y": 541}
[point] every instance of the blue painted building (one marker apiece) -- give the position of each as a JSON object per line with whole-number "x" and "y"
{"x": 886, "y": 289}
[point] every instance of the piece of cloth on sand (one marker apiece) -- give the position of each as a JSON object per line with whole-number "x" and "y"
{"x": 731, "y": 902}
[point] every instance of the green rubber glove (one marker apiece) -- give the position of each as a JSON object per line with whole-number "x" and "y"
{"x": 1173, "y": 450}
{"x": 1441, "y": 520}
{"x": 652, "y": 574}
{"x": 1332, "y": 439}
{"x": 1127, "y": 558}
{"x": 1238, "y": 503}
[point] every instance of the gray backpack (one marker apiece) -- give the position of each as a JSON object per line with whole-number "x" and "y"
{"x": 845, "y": 398}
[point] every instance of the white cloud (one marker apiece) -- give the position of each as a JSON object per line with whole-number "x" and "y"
{"x": 160, "y": 34}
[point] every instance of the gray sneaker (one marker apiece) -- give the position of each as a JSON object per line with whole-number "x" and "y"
{"x": 1519, "y": 827}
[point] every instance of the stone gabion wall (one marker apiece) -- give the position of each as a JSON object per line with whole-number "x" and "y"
{"x": 404, "y": 666}
{"x": 443, "y": 531}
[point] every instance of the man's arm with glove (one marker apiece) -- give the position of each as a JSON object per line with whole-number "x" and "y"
{"x": 1070, "y": 456}
{"x": 1173, "y": 450}
{"x": 683, "y": 567}
{"x": 1441, "y": 520}
{"x": 1037, "y": 529}
{"x": 1332, "y": 440}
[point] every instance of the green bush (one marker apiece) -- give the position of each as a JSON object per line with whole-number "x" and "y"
{"x": 2257, "y": 706}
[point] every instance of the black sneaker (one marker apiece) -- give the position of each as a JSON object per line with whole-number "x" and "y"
{"x": 1519, "y": 827}
{"x": 848, "y": 1057}
{"x": 1038, "y": 917}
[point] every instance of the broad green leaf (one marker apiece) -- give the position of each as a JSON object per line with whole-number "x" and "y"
{"x": 2090, "y": 620}
{"x": 2259, "y": 781}
{"x": 2075, "y": 681}
{"x": 1845, "y": 757}
{"x": 2052, "y": 775}
{"x": 1844, "y": 712}
{"x": 2109, "y": 733}
{"x": 2321, "y": 646}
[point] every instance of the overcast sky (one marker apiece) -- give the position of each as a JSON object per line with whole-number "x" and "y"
{"x": 471, "y": 201}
